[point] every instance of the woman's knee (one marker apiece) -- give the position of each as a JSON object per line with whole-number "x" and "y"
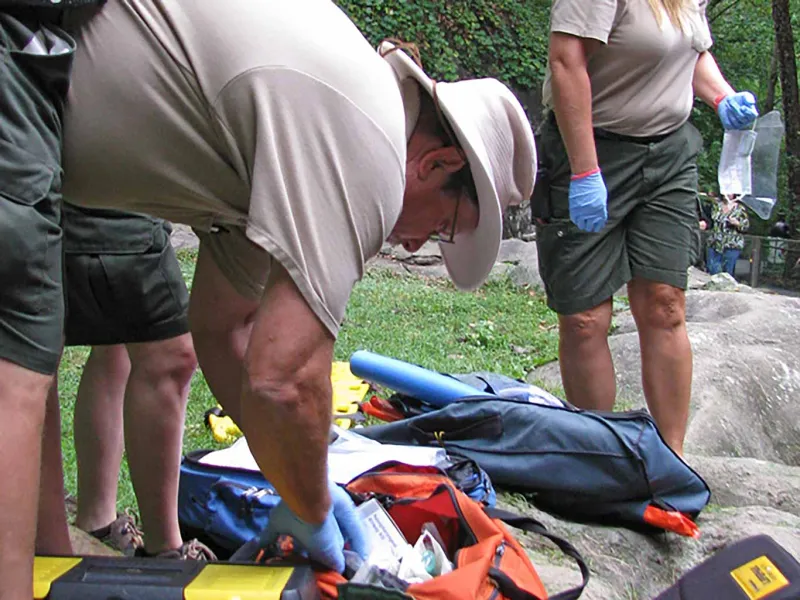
{"x": 658, "y": 306}
{"x": 586, "y": 326}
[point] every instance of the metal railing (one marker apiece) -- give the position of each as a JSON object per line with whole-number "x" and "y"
{"x": 768, "y": 261}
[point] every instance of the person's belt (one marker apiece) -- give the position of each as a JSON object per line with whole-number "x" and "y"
{"x": 604, "y": 134}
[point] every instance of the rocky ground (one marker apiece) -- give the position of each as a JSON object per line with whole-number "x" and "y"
{"x": 743, "y": 437}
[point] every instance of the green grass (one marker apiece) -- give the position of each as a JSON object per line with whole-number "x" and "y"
{"x": 499, "y": 328}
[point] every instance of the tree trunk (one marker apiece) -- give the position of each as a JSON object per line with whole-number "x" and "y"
{"x": 784, "y": 40}
{"x": 772, "y": 82}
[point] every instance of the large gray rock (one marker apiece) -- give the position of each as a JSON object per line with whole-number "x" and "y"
{"x": 746, "y": 380}
{"x": 522, "y": 262}
{"x": 743, "y": 438}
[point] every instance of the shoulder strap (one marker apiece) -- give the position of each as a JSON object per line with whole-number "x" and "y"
{"x": 507, "y": 586}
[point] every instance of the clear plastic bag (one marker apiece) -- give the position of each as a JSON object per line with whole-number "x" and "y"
{"x": 750, "y": 168}
{"x": 735, "y": 172}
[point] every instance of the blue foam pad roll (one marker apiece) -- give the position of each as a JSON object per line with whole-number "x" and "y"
{"x": 412, "y": 380}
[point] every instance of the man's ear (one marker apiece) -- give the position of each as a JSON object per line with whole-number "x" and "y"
{"x": 447, "y": 158}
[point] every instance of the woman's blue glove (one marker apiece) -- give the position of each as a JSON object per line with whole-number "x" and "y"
{"x": 737, "y": 111}
{"x": 323, "y": 543}
{"x": 587, "y": 201}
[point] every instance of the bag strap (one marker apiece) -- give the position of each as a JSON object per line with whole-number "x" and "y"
{"x": 507, "y": 586}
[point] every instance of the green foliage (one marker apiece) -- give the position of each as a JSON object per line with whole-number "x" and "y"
{"x": 506, "y": 39}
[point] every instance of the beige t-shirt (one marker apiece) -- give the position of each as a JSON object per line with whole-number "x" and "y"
{"x": 642, "y": 75}
{"x": 277, "y": 117}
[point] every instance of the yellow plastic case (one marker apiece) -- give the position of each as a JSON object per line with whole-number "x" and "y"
{"x": 100, "y": 578}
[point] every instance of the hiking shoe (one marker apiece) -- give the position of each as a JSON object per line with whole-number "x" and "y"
{"x": 122, "y": 534}
{"x": 191, "y": 550}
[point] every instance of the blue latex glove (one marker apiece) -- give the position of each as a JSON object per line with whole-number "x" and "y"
{"x": 587, "y": 202}
{"x": 737, "y": 111}
{"x": 324, "y": 543}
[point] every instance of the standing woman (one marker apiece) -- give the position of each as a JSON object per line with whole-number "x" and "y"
{"x": 621, "y": 204}
{"x": 729, "y": 221}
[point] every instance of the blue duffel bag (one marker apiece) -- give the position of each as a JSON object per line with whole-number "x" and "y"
{"x": 612, "y": 468}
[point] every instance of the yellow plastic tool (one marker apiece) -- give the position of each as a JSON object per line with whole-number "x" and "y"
{"x": 348, "y": 392}
{"x": 222, "y": 427}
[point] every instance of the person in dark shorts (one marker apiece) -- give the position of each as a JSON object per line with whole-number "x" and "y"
{"x": 127, "y": 299}
{"x": 621, "y": 207}
{"x": 35, "y": 63}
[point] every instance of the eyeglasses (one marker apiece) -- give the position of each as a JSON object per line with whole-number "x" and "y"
{"x": 464, "y": 177}
{"x": 448, "y": 238}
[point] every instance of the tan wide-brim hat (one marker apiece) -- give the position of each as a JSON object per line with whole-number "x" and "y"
{"x": 497, "y": 138}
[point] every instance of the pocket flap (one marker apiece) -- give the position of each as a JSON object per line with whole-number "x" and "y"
{"x": 27, "y": 178}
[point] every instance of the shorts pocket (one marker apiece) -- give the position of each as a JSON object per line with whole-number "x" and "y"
{"x": 24, "y": 179}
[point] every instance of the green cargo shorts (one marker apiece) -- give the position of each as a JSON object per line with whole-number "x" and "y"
{"x": 652, "y": 218}
{"x": 123, "y": 281}
{"x": 32, "y": 92}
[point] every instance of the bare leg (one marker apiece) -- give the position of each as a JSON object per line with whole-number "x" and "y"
{"x": 155, "y": 409}
{"x": 585, "y": 358}
{"x": 98, "y": 434}
{"x": 221, "y": 324}
{"x": 24, "y": 395}
{"x": 660, "y": 314}
{"x": 52, "y": 533}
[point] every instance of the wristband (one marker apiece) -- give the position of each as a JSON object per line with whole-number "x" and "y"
{"x": 585, "y": 174}
{"x": 718, "y": 100}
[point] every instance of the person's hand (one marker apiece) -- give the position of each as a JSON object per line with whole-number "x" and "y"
{"x": 323, "y": 543}
{"x": 734, "y": 222}
{"x": 737, "y": 111}
{"x": 587, "y": 201}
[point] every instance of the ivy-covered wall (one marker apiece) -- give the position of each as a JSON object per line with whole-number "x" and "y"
{"x": 506, "y": 39}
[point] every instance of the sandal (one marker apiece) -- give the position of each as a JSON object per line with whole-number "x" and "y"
{"x": 122, "y": 534}
{"x": 191, "y": 550}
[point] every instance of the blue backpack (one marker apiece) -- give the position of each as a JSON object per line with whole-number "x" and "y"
{"x": 612, "y": 468}
{"x": 222, "y": 506}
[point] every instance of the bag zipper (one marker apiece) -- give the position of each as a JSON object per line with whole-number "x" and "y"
{"x": 249, "y": 493}
{"x": 498, "y": 557}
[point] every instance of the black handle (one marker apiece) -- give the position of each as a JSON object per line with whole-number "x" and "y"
{"x": 533, "y": 526}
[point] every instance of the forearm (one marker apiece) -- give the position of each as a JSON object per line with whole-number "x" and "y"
{"x": 708, "y": 82}
{"x": 286, "y": 400}
{"x": 572, "y": 101}
{"x": 287, "y": 430}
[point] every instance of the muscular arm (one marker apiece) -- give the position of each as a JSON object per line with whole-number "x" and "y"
{"x": 269, "y": 364}
{"x": 572, "y": 97}
{"x": 286, "y": 397}
{"x": 708, "y": 81}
